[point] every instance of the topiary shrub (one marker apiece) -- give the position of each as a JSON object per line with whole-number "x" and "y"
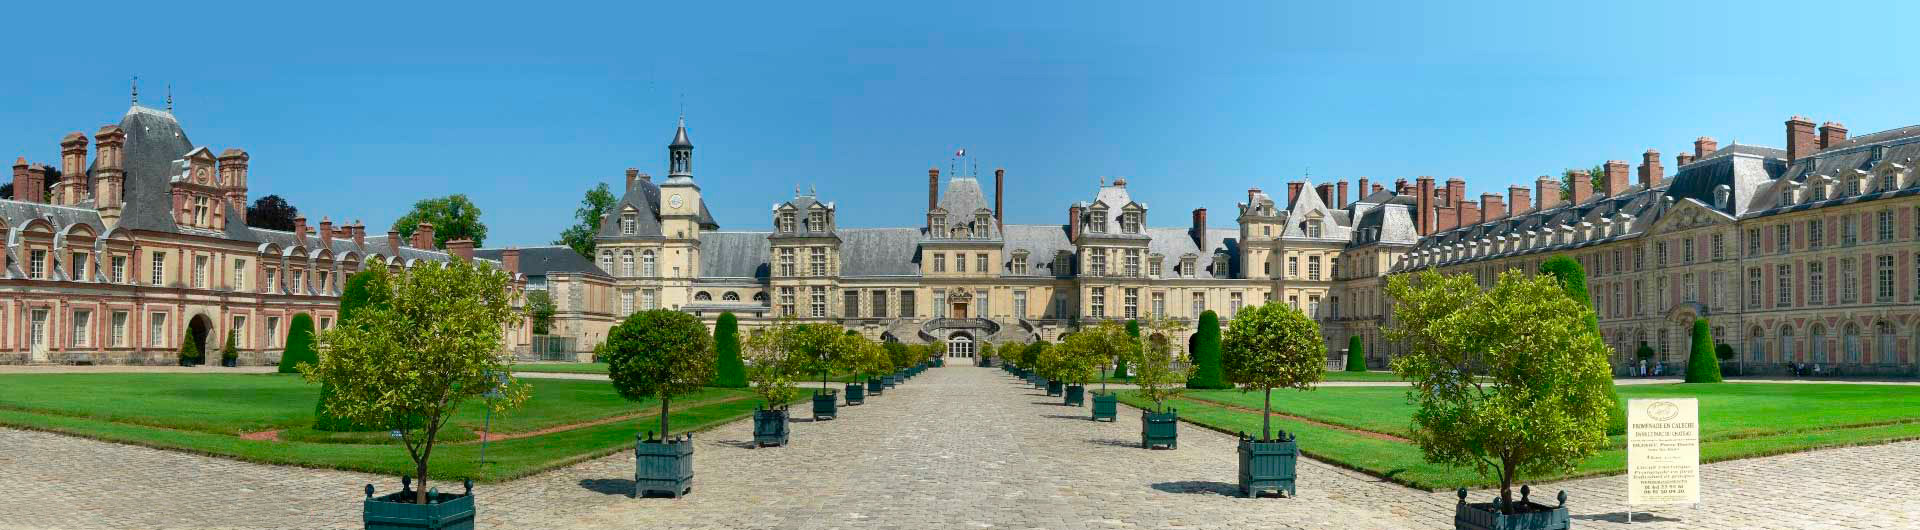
{"x": 1702, "y": 366}
{"x": 299, "y": 348}
{"x": 1573, "y": 281}
{"x": 1724, "y": 351}
{"x": 1120, "y": 363}
{"x": 1645, "y": 353}
{"x": 1356, "y": 355}
{"x": 729, "y": 371}
{"x": 230, "y": 354}
{"x": 189, "y": 352}
{"x": 1207, "y": 373}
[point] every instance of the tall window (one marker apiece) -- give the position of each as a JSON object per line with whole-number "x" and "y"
{"x": 606, "y": 261}
{"x": 1099, "y": 302}
{"x": 1718, "y": 247}
{"x": 1098, "y": 222}
{"x": 1618, "y": 307}
{"x": 817, "y": 261}
{"x": 1782, "y": 238}
{"x": 200, "y": 271}
{"x": 273, "y": 331}
{"x": 960, "y": 262}
{"x": 1850, "y": 342}
{"x": 1756, "y": 345}
{"x": 1884, "y": 224}
{"x": 159, "y": 267}
{"x": 82, "y": 319}
{"x": 1816, "y": 233}
{"x": 1817, "y": 343}
{"x": 273, "y": 281}
{"x": 1130, "y": 222}
{"x": 1787, "y": 350}
{"x": 626, "y": 302}
{"x": 850, "y": 303}
{"x": 818, "y": 301}
{"x": 786, "y": 301}
{"x": 1849, "y": 282}
{"x": 200, "y": 212}
{"x": 1313, "y": 306}
{"x": 629, "y": 224}
{"x": 1783, "y": 286}
{"x": 980, "y": 262}
{"x": 1883, "y": 332}
{"x": 79, "y": 266}
{"x": 1849, "y": 231}
{"x": 1639, "y": 298}
{"x": 119, "y": 269}
{"x": 1753, "y": 241}
{"x": 649, "y": 299}
{"x": 1159, "y": 304}
{"x": 37, "y": 327}
{"x": 1132, "y": 301}
{"x": 1883, "y": 278}
{"x": 626, "y": 263}
{"x": 1133, "y": 262}
{"x": 239, "y": 275}
{"x": 118, "y": 333}
{"x": 817, "y": 221}
{"x": 1689, "y": 290}
{"x": 239, "y": 331}
{"x": 1816, "y": 282}
{"x": 1153, "y": 265}
{"x": 1753, "y": 288}
{"x": 648, "y": 267}
{"x": 1660, "y": 254}
{"x": 1234, "y": 300}
{"x": 1096, "y": 262}
{"x": 1293, "y": 266}
{"x": 1199, "y": 303}
{"x": 157, "y": 329}
{"x": 879, "y": 305}
{"x": 1313, "y": 267}
{"x": 37, "y": 265}
{"x": 907, "y": 306}
{"x": 939, "y": 262}
{"x": 1717, "y": 282}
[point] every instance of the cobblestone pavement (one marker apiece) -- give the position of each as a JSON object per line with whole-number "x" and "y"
{"x": 958, "y": 447}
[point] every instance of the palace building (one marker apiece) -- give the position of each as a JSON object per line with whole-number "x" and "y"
{"x": 1804, "y": 255}
{"x": 146, "y": 246}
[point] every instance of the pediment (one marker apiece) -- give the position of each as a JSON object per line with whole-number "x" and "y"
{"x": 1689, "y": 213}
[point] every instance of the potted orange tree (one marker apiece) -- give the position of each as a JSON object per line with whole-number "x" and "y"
{"x": 770, "y": 373}
{"x": 660, "y": 354}
{"x": 1511, "y": 381}
{"x": 1159, "y": 381}
{"x": 409, "y": 363}
{"x": 1271, "y": 346}
{"x": 1084, "y": 354}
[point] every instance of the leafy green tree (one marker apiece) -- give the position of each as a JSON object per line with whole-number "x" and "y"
{"x": 1573, "y": 281}
{"x": 273, "y": 213}
{"x": 299, "y": 348}
{"x": 1207, "y": 373}
{"x": 1030, "y": 355}
{"x": 1510, "y": 381}
{"x": 1270, "y": 346}
{"x": 579, "y": 237}
{"x": 1081, "y": 355}
{"x": 1702, "y": 366}
{"x": 540, "y": 310}
{"x": 411, "y": 361}
{"x": 730, "y": 372}
{"x": 659, "y": 354}
{"x": 1120, "y": 360}
{"x": 774, "y": 364}
{"x": 1596, "y": 176}
{"x": 453, "y": 217}
{"x": 1356, "y": 355}
{"x": 363, "y": 289}
{"x": 1723, "y": 351}
{"x": 1644, "y": 352}
{"x": 1155, "y": 359}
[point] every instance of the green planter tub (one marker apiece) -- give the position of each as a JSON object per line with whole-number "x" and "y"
{"x": 1038, "y": 382}
{"x": 1076, "y": 396}
{"x": 1105, "y": 407}
{"x": 824, "y": 404}
{"x": 874, "y": 386}
{"x": 663, "y": 466}
{"x": 856, "y": 394}
{"x": 1268, "y": 464}
{"x": 396, "y": 511}
{"x": 1053, "y": 387}
{"x": 1529, "y": 516}
{"x": 889, "y": 381}
{"x": 938, "y": 363}
{"x": 1160, "y": 429}
{"x": 770, "y": 427}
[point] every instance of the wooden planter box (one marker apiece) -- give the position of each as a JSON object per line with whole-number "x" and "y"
{"x": 1160, "y": 429}
{"x": 1053, "y": 387}
{"x": 396, "y": 511}
{"x": 1530, "y": 516}
{"x": 938, "y": 363}
{"x": 875, "y": 386}
{"x": 665, "y": 467}
{"x": 1268, "y": 464}
{"x": 856, "y": 394}
{"x": 824, "y": 402}
{"x": 889, "y": 381}
{"x": 770, "y": 427}
{"x": 1076, "y": 396}
{"x": 1105, "y": 407}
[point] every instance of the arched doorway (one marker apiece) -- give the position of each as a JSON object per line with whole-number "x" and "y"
{"x": 197, "y": 331}
{"x": 960, "y": 345}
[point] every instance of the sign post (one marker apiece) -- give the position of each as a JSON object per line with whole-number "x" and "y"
{"x": 1663, "y": 452}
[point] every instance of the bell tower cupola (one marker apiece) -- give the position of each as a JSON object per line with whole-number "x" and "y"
{"x": 680, "y": 154}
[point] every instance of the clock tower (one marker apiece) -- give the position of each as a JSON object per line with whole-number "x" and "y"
{"x": 680, "y": 221}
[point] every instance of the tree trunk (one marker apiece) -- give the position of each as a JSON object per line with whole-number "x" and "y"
{"x": 420, "y": 491}
{"x": 1266, "y": 418}
{"x": 663, "y": 418}
{"x": 1506, "y": 486}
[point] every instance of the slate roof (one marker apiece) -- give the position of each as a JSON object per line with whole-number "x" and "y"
{"x": 962, "y": 201}
{"x": 734, "y": 255}
{"x": 1174, "y": 243}
{"x": 1115, "y": 198}
{"x": 879, "y": 252}
{"x": 540, "y": 261}
{"x": 1043, "y": 244}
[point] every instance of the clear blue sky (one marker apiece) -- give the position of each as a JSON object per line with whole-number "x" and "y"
{"x": 357, "y": 111}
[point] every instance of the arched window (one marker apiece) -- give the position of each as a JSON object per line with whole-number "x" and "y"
{"x": 626, "y": 263}
{"x": 606, "y": 261}
{"x": 1756, "y": 344}
{"x": 1786, "y": 343}
{"x": 760, "y": 297}
{"x": 1884, "y": 346}
{"x": 730, "y": 296}
{"x": 1850, "y": 343}
{"x": 1817, "y": 342}
{"x": 646, "y": 263}
{"x": 702, "y": 296}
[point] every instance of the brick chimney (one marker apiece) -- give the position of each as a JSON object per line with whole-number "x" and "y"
{"x": 1199, "y": 230}
{"x": 1615, "y": 179}
{"x": 1490, "y": 207}
{"x": 1361, "y": 192}
{"x": 1546, "y": 190}
{"x": 393, "y": 243}
{"x": 1456, "y": 191}
{"x": 510, "y": 259}
{"x": 1341, "y": 195}
{"x": 359, "y": 234}
{"x": 326, "y": 232}
{"x": 1073, "y": 223}
{"x": 1468, "y": 212}
{"x": 462, "y": 247}
{"x": 1423, "y": 202}
{"x": 1376, "y": 189}
{"x": 1400, "y": 186}
{"x": 1704, "y": 147}
{"x": 1583, "y": 183}
{"x": 1682, "y": 159}
{"x": 1519, "y": 201}
{"x": 633, "y": 174}
{"x": 999, "y": 190}
{"x": 933, "y": 188}
{"x": 1326, "y": 194}
{"x": 110, "y": 175}
{"x": 22, "y": 181}
{"x": 423, "y": 236}
{"x": 1293, "y": 192}
{"x": 1650, "y": 171}
{"x": 73, "y": 168}
{"x": 1800, "y": 140}
{"x": 300, "y": 229}
{"x": 1831, "y": 134}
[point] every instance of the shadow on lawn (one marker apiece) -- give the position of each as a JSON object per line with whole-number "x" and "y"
{"x": 1203, "y": 487}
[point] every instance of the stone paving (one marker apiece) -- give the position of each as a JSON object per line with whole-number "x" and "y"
{"x": 958, "y": 447}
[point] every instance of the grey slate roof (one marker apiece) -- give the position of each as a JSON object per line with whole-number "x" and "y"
{"x": 1115, "y": 198}
{"x": 880, "y": 252}
{"x": 1043, "y": 244}
{"x": 1174, "y": 243}
{"x": 539, "y": 261}
{"x": 803, "y": 206}
{"x": 734, "y": 255}
{"x": 644, "y": 198}
{"x": 962, "y": 201}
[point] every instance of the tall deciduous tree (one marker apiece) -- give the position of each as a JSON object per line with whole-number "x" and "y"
{"x": 1270, "y": 346}
{"x": 579, "y": 237}
{"x": 1510, "y": 382}
{"x": 659, "y": 354}
{"x": 453, "y": 217}
{"x": 729, "y": 371}
{"x": 412, "y": 361}
{"x": 1206, "y": 354}
{"x": 540, "y": 310}
{"x": 1155, "y": 359}
{"x": 271, "y": 212}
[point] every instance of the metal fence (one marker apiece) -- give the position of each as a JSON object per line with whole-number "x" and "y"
{"x": 552, "y": 348}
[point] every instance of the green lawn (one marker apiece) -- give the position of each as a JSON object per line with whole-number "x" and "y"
{"x": 206, "y": 413}
{"x": 564, "y": 368}
{"x": 1737, "y": 421}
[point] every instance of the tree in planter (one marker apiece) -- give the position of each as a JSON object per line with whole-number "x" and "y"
{"x": 1207, "y": 373}
{"x": 730, "y": 372}
{"x": 1030, "y": 355}
{"x": 771, "y": 373}
{"x": 659, "y": 354}
{"x": 230, "y": 353}
{"x": 819, "y": 349}
{"x": 1270, "y": 346}
{"x": 412, "y": 361}
{"x": 1083, "y": 354}
{"x": 1702, "y": 366}
{"x": 189, "y": 352}
{"x": 1120, "y": 358}
{"x": 1509, "y": 382}
{"x": 299, "y": 348}
{"x": 899, "y": 356}
{"x": 1356, "y": 355}
{"x": 1154, "y": 363}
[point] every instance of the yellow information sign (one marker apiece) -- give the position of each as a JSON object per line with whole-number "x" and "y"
{"x": 1663, "y": 451}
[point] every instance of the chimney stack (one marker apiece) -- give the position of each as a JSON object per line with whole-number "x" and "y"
{"x": 393, "y": 245}
{"x": 462, "y": 247}
{"x": 1325, "y": 191}
{"x": 1615, "y": 179}
{"x": 1456, "y": 191}
{"x": 1704, "y": 147}
{"x": 73, "y": 168}
{"x": 1583, "y": 182}
{"x": 1199, "y": 231}
{"x": 359, "y": 234}
{"x": 1073, "y": 223}
{"x": 1423, "y": 201}
{"x": 1376, "y": 189}
{"x": 1682, "y": 159}
{"x": 22, "y": 181}
{"x": 300, "y": 229}
{"x": 1547, "y": 191}
{"x": 633, "y": 173}
{"x": 510, "y": 259}
{"x": 1519, "y": 201}
{"x": 1800, "y": 141}
{"x": 423, "y": 236}
{"x": 326, "y": 232}
{"x": 1650, "y": 172}
{"x": 1342, "y": 202}
{"x": 1400, "y": 186}
{"x": 1362, "y": 191}
{"x": 1831, "y": 134}
{"x": 1293, "y": 192}
{"x": 999, "y": 191}
{"x": 110, "y": 175}
{"x": 1490, "y": 207}
{"x": 933, "y": 188}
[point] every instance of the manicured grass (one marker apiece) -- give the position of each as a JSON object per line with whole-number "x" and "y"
{"x": 205, "y": 413}
{"x": 1362, "y": 377}
{"x": 1737, "y": 421}
{"x": 564, "y": 368}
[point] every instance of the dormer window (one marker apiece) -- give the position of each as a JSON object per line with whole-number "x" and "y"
{"x": 817, "y": 221}
{"x": 1819, "y": 193}
{"x": 980, "y": 224}
{"x": 629, "y": 224}
{"x": 200, "y": 212}
{"x": 1312, "y": 228}
{"x": 1220, "y": 266}
{"x": 1154, "y": 267}
{"x": 935, "y": 223}
{"x": 1130, "y": 222}
{"x": 1062, "y": 262}
{"x": 786, "y": 222}
{"x": 1187, "y": 264}
{"x": 1097, "y": 223}
{"x": 1020, "y": 262}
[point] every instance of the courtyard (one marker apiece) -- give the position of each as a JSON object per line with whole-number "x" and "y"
{"x": 958, "y": 447}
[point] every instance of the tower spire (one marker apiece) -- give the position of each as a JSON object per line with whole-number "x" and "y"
{"x": 136, "y": 90}
{"x": 169, "y": 98}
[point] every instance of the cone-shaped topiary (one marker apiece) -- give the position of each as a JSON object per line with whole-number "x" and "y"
{"x": 1573, "y": 280}
{"x": 359, "y": 292}
{"x": 299, "y": 347}
{"x": 229, "y": 353}
{"x": 189, "y": 352}
{"x": 1702, "y": 366}
{"x": 1356, "y": 355}
{"x": 1206, "y": 355}
{"x": 730, "y": 371}
{"x": 1120, "y": 363}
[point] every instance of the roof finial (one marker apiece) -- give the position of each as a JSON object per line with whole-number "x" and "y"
{"x": 796, "y": 190}
{"x": 169, "y": 98}
{"x": 136, "y": 90}
{"x": 811, "y": 192}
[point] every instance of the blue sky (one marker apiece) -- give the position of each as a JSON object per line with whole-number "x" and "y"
{"x": 354, "y": 112}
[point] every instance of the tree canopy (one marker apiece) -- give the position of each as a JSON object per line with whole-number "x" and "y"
{"x": 1273, "y": 345}
{"x": 540, "y": 310}
{"x": 1207, "y": 373}
{"x": 659, "y": 354}
{"x": 271, "y": 212}
{"x": 579, "y": 237}
{"x": 771, "y": 372}
{"x": 453, "y": 217}
{"x": 1155, "y": 359}
{"x": 729, "y": 371}
{"x": 1081, "y": 355}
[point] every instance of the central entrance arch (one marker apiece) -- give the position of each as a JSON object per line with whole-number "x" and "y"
{"x": 197, "y": 331}
{"x": 960, "y": 344}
